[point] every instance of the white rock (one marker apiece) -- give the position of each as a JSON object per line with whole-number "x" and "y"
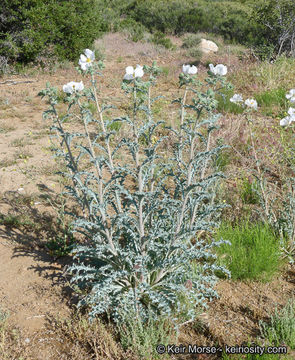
{"x": 207, "y": 46}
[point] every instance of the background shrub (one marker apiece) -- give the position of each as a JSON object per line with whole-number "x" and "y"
{"x": 159, "y": 38}
{"x": 191, "y": 40}
{"x": 30, "y": 27}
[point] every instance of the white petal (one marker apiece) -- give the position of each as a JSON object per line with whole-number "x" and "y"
{"x": 236, "y": 98}
{"x": 128, "y": 77}
{"x": 192, "y": 70}
{"x": 83, "y": 58}
{"x": 285, "y": 121}
{"x": 89, "y": 54}
{"x": 185, "y": 69}
{"x": 83, "y": 65}
{"x": 291, "y": 111}
{"x": 221, "y": 69}
{"x": 68, "y": 88}
{"x": 79, "y": 86}
{"x": 212, "y": 68}
{"x": 252, "y": 103}
{"x": 129, "y": 70}
{"x": 138, "y": 72}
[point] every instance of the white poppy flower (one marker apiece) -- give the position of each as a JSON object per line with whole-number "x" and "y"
{"x": 236, "y": 98}
{"x": 291, "y": 95}
{"x": 138, "y": 72}
{"x": 86, "y": 60}
{"x": 189, "y": 70}
{"x": 73, "y": 86}
{"x": 219, "y": 69}
{"x": 287, "y": 120}
{"x": 251, "y": 103}
{"x": 132, "y": 73}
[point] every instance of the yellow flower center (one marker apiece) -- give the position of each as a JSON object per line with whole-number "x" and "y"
{"x": 88, "y": 60}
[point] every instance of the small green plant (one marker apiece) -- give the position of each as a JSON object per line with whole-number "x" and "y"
{"x": 223, "y": 159}
{"x": 3, "y": 316}
{"x": 191, "y": 41}
{"x": 159, "y": 38}
{"x": 254, "y": 252}
{"x": 272, "y": 102}
{"x": 142, "y": 339}
{"x": 195, "y": 53}
{"x": 225, "y": 105}
{"x": 280, "y": 330}
{"x": 15, "y": 221}
{"x": 63, "y": 242}
{"x": 248, "y": 191}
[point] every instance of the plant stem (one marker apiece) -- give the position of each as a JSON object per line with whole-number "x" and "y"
{"x": 112, "y": 170}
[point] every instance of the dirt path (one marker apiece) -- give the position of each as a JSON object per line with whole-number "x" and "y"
{"x": 30, "y": 290}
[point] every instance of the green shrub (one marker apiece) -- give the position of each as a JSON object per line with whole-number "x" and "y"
{"x": 134, "y": 29}
{"x": 159, "y": 38}
{"x": 254, "y": 252}
{"x": 231, "y": 20}
{"x": 195, "y": 53}
{"x": 191, "y": 41}
{"x": 164, "y": 16}
{"x": 62, "y": 28}
{"x": 275, "y": 22}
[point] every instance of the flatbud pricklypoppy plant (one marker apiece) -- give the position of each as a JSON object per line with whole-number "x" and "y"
{"x": 142, "y": 195}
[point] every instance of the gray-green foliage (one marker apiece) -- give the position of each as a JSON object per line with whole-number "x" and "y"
{"x": 281, "y": 328}
{"x": 139, "y": 215}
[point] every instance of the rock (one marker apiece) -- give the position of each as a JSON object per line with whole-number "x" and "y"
{"x": 207, "y": 46}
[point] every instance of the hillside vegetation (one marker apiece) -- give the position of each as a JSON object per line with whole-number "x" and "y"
{"x": 31, "y": 29}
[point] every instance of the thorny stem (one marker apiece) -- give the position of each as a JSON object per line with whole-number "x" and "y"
{"x": 206, "y": 162}
{"x": 150, "y": 118}
{"x": 265, "y": 197}
{"x": 189, "y": 175}
{"x": 162, "y": 273}
{"x": 138, "y": 166}
{"x": 182, "y": 116}
{"x": 99, "y": 175}
{"x": 63, "y": 134}
{"x": 106, "y": 139}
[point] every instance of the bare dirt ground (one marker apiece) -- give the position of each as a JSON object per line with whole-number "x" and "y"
{"x": 33, "y": 288}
